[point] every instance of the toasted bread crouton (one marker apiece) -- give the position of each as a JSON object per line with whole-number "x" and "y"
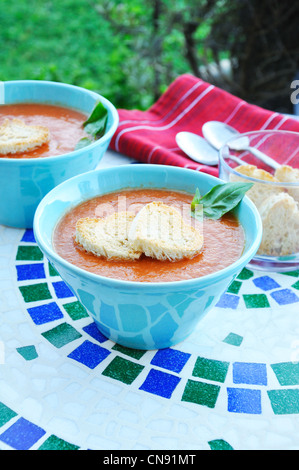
{"x": 160, "y": 232}
{"x": 16, "y": 136}
{"x": 287, "y": 174}
{"x": 108, "y": 236}
{"x": 258, "y": 192}
{"x": 280, "y": 218}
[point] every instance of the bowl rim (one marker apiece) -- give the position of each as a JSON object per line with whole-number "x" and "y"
{"x": 223, "y": 162}
{"x": 105, "y": 137}
{"x": 246, "y": 255}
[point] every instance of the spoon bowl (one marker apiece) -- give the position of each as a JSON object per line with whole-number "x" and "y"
{"x": 218, "y": 133}
{"x": 197, "y": 148}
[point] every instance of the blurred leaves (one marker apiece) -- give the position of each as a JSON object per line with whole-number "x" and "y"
{"x": 130, "y": 51}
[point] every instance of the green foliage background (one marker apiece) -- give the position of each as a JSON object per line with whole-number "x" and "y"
{"x": 72, "y": 41}
{"x": 130, "y": 51}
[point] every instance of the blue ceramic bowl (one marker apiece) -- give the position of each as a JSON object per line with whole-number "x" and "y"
{"x": 137, "y": 314}
{"x": 25, "y": 181}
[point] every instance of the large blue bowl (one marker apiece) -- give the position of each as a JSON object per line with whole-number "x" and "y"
{"x": 25, "y": 181}
{"x": 140, "y": 315}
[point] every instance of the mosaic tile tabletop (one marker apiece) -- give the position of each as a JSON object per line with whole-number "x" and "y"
{"x": 233, "y": 384}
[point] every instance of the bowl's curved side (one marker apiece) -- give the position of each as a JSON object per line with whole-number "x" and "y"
{"x": 140, "y": 315}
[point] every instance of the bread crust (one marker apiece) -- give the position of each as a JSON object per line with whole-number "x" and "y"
{"x": 18, "y": 137}
{"x": 107, "y": 237}
{"x": 259, "y": 191}
{"x": 280, "y": 218}
{"x": 278, "y": 207}
{"x": 160, "y": 232}
{"x": 157, "y": 231}
{"x": 287, "y": 174}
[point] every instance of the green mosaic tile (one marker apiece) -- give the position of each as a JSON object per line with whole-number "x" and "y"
{"x": 245, "y": 274}
{"x": 28, "y": 352}
{"x": 287, "y": 373}
{"x": 233, "y": 339}
{"x": 35, "y": 292}
{"x": 284, "y": 401}
{"x": 234, "y": 287}
{"x": 75, "y": 310}
{"x": 296, "y": 285}
{"x": 294, "y": 273}
{"x": 256, "y": 301}
{"x": 61, "y": 335}
{"x": 210, "y": 369}
{"x": 219, "y": 444}
{"x": 6, "y": 414}
{"x": 29, "y": 253}
{"x": 123, "y": 370}
{"x": 135, "y": 353}
{"x": 52, "y": 270}
{"x": 201, "y": 393}
{"x": 55, "y": 443}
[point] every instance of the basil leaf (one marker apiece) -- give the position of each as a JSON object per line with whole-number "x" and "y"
{"x": 221, "y": 199}
{"x": 83, "y": 143}
{"x": 97, "y": 121}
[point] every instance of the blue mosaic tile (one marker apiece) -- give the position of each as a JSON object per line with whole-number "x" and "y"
{"x": 28, "y": 236}
{"x": 30, "y": 271}
{"x": 45, "y": 313}
{"x": 284, "y": 296}
{"x": 249, "y": 373}
{"x": 89, "y": 354}
{"x": 170, "y": 359}
{"x": 22, "y": 435}
{"x": 160, "y": 383}
{"x": 93, "y": 331}
{"x": 242, "y": 400}
{"x": 228, "y": 301}
{"x": 265, "y": 283}
{"x": 62, "y": 290}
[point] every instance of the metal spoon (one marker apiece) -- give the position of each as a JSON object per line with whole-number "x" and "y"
{"x": 197, "y": 148}
{"x": 242, "y": 143}
{"x": 218, "y": 133}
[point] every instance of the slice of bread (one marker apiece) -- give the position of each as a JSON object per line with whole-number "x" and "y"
{"x": 258, "y": 192}
{"x": 287, "y": 174}
{"x": 160, "y": 232}
{"x": 107, "y": 237}
{"x": 18, "y": 137}
{"x": 280, "y": 218}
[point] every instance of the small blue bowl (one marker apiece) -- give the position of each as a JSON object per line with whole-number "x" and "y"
{"x": 141, "y": 315}
{"x": 25, "y": 181}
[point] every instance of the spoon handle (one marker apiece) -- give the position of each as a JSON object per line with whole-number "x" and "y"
{"x": 261, "y": 156}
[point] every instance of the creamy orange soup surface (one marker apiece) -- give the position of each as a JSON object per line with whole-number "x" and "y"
{"x": 223, "y": 240}
{"x": 64, "y": 124}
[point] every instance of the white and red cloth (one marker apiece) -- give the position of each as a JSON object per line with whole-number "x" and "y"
{"x": 189, "y": 102}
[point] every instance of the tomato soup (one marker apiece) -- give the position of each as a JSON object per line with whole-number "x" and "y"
{"x": 64, "y": 124}
{"x": 223, "y": 240}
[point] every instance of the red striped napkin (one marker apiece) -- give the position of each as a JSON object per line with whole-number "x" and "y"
{"x": 189, "y": 102}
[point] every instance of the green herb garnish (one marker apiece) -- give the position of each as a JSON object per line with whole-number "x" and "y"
{"x": 95, "y": 125}
{"x": 221, "y": 199}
